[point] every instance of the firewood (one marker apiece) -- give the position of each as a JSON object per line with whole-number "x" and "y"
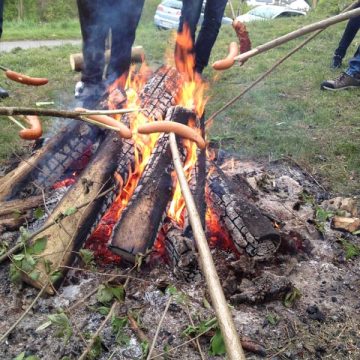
{"x": 77, "y": 60}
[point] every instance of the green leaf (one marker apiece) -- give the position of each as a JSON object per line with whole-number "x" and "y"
{"x": 118, "y": 325}
{"x": 96, "y": 350}
{"x": 20, "y": 356}
{"x": 34, "y": 275}
{"x": 144, "y": 348}
{"x": 272, "y": 319}
{"x": 18, "y": 257}
{"x": 87, "y": 256}
{"x": 32, "y": 357}
{"x": 38, "y": 246}
{"x": 39, "y": 213}
{"x": 55, "y": 276}
{"x": 103, "y": 310}
{"x": 28, "y": 264}
{"x": 217, "y": 345}
{"x": 70, "y": 211}
{"x": 351, "y": 250}
{"x": 15, "y": 275}
{"x": 291, "y": 297}
{"x": 3, "y": 247}
{"x": 104, "y": 294}
{"x": 43, "y": 326}
{"x": 62, "y": 322}
{"x": 119, "y": 292}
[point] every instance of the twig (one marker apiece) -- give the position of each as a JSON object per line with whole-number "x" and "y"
{"x": 228, "y": 330}
{"x": 135, "y": 327}
{"x": 158, "y": 328}
{"x": 17, "y": 322}
{"x": 196, "y": 340}
{"x": 19, "y": 246}
{"x": 232, "y": 9}
{"x": 18, "y": 123}
{"x": 93, "y": 339}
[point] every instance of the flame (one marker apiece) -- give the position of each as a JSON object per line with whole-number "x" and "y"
{"x": 143, "y": 146}
{"x": 190, "y": 96}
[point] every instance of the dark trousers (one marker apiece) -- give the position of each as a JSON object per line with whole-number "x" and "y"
{"x": 213, "y": 14}
{"x": 351, "y": 30}
{"x": 97, "y": 17}
{"x": 1, "y": 15}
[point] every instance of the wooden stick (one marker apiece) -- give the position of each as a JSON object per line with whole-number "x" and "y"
{"x": 232, "y": 9}
{"x": 231, "y": 339}
{"x": 297, "y": 33}
{"x": 93, "y": 339}
{"x": 18, "y": 123}
{"x": 10, "y": 111}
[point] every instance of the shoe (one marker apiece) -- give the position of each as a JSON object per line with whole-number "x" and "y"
{"x": 3, "y": 93}
{"x": 89, "y": 94}
{"x": 336, "y": 62}
{"x": 342, "y": 82}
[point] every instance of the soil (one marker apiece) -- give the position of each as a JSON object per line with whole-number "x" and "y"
{"x": 303, "y": 303}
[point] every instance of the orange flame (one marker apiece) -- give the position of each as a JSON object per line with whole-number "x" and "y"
{"x": 190, "y": 96}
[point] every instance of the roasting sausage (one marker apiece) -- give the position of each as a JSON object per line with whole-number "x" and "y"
{"x": 179, "y": 129}
{"x": 124, "y": 131}
{"x": 24, "y": 79}
{"x": 228, "y": 62}
{"x": 35, "y": 130}
{"x": 243, "y": 36}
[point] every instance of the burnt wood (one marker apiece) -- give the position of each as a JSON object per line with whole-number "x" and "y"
{"x": 251, "y": 232}
{"x": 137, "y": 229}
{"x": 69, "y": 233}
{"x": 49, "y": 163}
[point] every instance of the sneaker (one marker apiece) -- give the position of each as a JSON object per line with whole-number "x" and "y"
{"x": 3, "y": 93}
{"x": 342, "y": 82}
{"x": 336, "y": 62}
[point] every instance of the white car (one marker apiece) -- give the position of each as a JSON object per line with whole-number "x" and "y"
{"x": 301, "y": 5}
{"x": 269, "y": 12}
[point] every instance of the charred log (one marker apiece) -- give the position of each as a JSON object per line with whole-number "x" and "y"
{"x": 49, "y": 163}
{"x": 251, "y": 232}
{"x": 149, "y": 201}
{"x": 68, "y": 233}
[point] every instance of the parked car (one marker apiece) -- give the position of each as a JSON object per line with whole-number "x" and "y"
{"x": 268, "y": 12}
{"x": 301, "y": 5}
{"x": 167, "y": 15}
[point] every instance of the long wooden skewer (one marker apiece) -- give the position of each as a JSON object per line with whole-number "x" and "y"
{"x": 18, "y": 123}
{"x": 227, "y": 327}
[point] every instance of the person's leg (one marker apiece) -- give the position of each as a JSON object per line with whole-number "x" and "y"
{"x": 214, "y": 12}
{"x": 349, "y": 34}
{"x": 123, "y": 17}
{"x": 348, "y": 79}
{"x": 93, "y": 32}
{"x": 190, "y": 15}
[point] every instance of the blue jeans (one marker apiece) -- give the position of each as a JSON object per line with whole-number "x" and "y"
{"x": 97, "y": 17}
{"x": 354, "y": 65}
{"x": 213, "y": 14}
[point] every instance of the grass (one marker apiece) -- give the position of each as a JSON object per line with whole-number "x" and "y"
{"x": 286, "y": 115}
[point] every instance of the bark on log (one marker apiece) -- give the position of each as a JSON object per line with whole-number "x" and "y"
{"x": 251, "y": 232}
{"x": 49, "y": 163}
{"x": 68, "y": 235}
{"x": 77, "y": 60}
{"x": 17, "y": 207}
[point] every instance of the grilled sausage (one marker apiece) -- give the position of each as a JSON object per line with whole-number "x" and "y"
{"x": 124, "y": 131}
{"x": 243, "y": 36}
{"x": 179, "y": 129}
{"x": 228, "y": 62}
{"x": 35, "y": 130}
{"x": 24, "y": 79}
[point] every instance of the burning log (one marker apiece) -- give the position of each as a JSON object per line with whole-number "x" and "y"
{"x": 49, "y": 163}
{"x": 149, "y": 200}
{"x": 69, "y": 233}
{"x": 251, "y": 232}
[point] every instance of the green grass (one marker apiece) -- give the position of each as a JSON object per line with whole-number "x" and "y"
{"x": 285, "y": 115}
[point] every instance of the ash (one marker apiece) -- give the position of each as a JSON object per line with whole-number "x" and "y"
{"x": 302, "y": 303}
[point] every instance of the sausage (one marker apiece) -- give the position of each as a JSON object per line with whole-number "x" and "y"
{"x": 179, "y": 129}
{"x": 124, "y": 131}
{"x": 24, "y": 79}
{"x": 243, "y": 36}
{"x": 228, "y": 62}
{"x": 35, "y": 130}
